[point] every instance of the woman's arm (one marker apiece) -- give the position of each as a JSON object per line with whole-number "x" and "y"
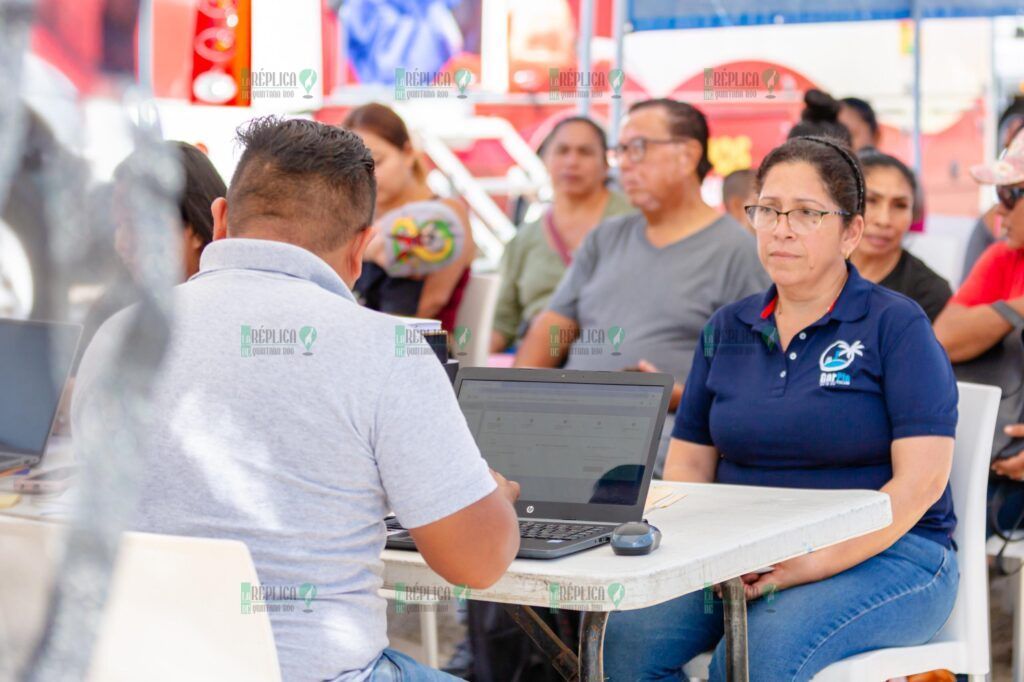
{"x": 920, "y": 472}
{"x": 690, "y": 462}
{"x": 968, "y": 331}
{"x": 439, "y": 286}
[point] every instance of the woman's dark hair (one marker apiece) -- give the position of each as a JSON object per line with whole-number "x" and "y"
{"x": 872, "y": 158}
{"x": 598, "y": 130}
{"x": 820, "y": 118}
{"x": 686, "y": 121}
{"x": 203, "y": 184}
{"x": 837, "y": 166}
{"x": 864, "y": 110}
{"x": 383, "y": 122}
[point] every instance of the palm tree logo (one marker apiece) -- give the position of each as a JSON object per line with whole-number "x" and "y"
{"x": 840, "y": 355}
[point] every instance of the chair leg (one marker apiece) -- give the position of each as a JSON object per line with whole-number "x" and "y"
{"x": 428, "y": 635}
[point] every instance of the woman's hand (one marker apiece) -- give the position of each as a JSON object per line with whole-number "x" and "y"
{"x": 786, "y": 574}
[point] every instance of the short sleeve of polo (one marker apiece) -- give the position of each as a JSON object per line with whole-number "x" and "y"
{"x": 429, "y": 464}
{"x": 693, "y": 415}
{"x": 918, "y": 383}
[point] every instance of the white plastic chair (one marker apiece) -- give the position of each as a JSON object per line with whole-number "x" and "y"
{"x": 475, "y": 320}
{"x": 962, "y": 645}
{"x": 942, "y": 253}
{"x": 173, "y": 613}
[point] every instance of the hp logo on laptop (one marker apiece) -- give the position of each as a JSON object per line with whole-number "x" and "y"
{"x": 529, "y": 509}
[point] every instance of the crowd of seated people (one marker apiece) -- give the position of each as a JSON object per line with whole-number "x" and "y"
{"x": 805, "y": 257}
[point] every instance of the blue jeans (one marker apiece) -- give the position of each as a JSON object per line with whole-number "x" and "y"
{"x": 393, "y": 666}
{"x": 900, "y": 597}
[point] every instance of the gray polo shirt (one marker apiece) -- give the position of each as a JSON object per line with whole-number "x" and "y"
{"x": 636, "y": 301}
{"x": 290, "y": 419}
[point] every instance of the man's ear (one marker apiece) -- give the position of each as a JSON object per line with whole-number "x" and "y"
{"x": 219, "y": 209}
{"x": 359, "y": 244}
{"x": 694, "y": 153}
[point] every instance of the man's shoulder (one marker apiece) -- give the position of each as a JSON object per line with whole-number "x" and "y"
{"x": 729, "y": 234}
{"x": 617, "y": 228}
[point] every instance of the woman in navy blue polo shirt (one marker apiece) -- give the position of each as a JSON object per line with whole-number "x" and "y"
{"x": 824, "y": 381}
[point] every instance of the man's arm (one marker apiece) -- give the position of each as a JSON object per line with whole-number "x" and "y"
{"x": 547, "y": 342}
{"x": 475, "y": 545}
{"x": 968, "y": 331}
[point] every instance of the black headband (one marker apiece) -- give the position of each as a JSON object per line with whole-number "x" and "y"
{"x": 857, "y": 173}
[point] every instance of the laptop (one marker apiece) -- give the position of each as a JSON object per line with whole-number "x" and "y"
{"x": 580, "y": 444}
{"x": 35, "y": 362}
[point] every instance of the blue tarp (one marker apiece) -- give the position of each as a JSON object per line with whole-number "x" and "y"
{"x": 652, "y": 15}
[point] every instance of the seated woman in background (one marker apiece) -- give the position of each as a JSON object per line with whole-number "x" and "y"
{"x": 889, "y": 212}
{"x": 858, "y": 116}
{"x": 403, "y": 195}
{"x": 575, "y": 154}
{"x": 202, "y": 184}
{"x": 825, "y": 380}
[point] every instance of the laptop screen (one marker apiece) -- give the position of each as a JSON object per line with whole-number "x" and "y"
{"x": 582, "y": 443}
{"x": 35, "y": 358}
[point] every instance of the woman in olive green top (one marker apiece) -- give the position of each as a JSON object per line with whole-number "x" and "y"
{"x": 575, "y": 154}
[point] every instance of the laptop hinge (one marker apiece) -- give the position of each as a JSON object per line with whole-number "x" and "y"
{"x": 577, "y": 521}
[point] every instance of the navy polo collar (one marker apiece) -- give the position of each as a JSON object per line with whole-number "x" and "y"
{"x": 851, "y": 305}
{"x": 237, "y": 253}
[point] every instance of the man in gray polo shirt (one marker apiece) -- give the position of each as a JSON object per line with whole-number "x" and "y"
{"x": 287, "y": 419}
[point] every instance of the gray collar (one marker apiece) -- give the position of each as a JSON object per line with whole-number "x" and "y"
{"x": 236, "y": 253}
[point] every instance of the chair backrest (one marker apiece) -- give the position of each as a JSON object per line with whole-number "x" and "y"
{"x": 475, "y": 320}
{"x": 968, "y": 480}
{"x": 942, "y": 253}
{"x": 174, "y": 609}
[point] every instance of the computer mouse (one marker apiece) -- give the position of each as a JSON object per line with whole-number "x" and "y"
{"x": 635, "y": 538}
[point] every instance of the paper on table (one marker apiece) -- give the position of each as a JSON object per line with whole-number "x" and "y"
{"x": 661, "y": 496}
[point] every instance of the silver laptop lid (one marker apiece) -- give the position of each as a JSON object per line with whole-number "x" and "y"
{"x": 581, "y": 444}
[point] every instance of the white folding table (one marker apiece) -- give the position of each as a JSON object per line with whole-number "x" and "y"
{"x": 714, "y": 534}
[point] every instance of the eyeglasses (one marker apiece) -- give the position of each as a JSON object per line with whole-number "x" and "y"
{"x": 635, "y": 149}
{"x": 801, "y": 220}
{"x": 1009, "y": 196}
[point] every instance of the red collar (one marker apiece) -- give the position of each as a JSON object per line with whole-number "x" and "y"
{"x": 770, "y": 308}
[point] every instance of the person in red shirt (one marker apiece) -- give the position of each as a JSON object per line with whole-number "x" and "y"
{"x": 970, "y": 324}
{"x": 981, "y": 313}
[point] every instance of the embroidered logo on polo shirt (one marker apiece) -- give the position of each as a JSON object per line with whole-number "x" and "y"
{"x": 836, "y": 358}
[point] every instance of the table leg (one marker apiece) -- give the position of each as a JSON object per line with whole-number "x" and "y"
{"x": 735, "y": 609}
{"x": 592, "y": 646}
{"x": 562, "y": 658}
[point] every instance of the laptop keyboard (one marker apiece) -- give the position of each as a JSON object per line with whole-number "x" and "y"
{"x": 542, "y": 530}
{"x": 548, "y": 530}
